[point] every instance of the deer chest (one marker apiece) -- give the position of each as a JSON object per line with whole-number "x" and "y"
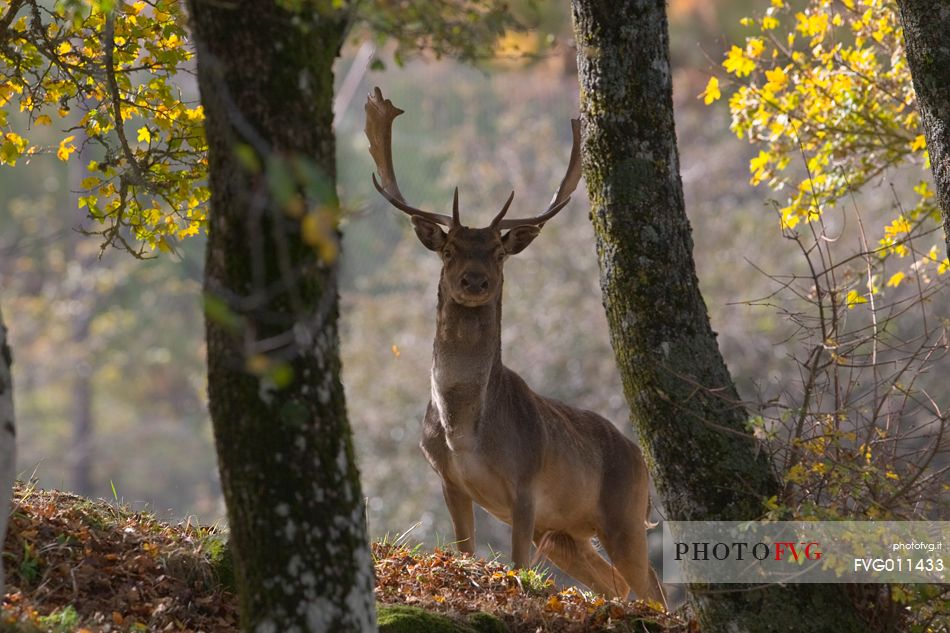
{"x": 484, "y": 482}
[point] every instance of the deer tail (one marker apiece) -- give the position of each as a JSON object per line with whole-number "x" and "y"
{"x": 646, "y": 520}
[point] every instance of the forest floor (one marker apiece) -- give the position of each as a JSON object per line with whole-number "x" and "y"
{"x": 80, "y": 566}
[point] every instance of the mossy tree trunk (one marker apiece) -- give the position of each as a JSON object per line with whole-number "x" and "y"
{"x": 284, "y": 446}
{"x": 926, "y": 31}
{"x": 685, "y": 407}
{"x": 7, "y": 438}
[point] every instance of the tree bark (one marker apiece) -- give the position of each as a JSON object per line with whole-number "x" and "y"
{"x": 285, "y": 451}
{"x": 81, "y": 413}
{"x": 7, "y": 438}
{"x": 926, "y": 25}
{"x": 83, "y": 391}
{"x": 684, "y": 405}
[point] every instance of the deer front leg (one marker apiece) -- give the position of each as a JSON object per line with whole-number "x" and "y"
{"x": 522, "y": 529}
{"x": 463, "y": 518}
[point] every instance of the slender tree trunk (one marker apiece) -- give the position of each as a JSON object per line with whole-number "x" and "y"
{"x": 7, "y": 438}
{"x": 81, "y": 410}
{"x": 684, "y": 404}
{"x": 86, "y": 301}
{"x": 285, "y": 452}
{"x": 926, "y": 29}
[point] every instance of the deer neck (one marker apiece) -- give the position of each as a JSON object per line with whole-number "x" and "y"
{"x": 466, "y": 360}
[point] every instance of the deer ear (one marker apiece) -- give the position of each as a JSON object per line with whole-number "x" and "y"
{"x": 518, "y": 238}
{"x": 429, "y": 233}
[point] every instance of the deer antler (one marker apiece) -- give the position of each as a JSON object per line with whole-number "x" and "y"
{"x": 379, "y": 130}
{"x": 561, "y": 197}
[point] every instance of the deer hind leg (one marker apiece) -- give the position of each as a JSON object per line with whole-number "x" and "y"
{"x": 623, "y": 532}
{"x": 578, "y": 559}
{"x": 624, "y": 536}
{"x": 628, "y": 551}
{"x": 463, "y": 516}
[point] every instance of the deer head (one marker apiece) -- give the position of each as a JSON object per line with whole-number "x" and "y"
{"x": 472, "y": 259}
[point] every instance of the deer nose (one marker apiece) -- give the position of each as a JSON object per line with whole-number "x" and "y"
{"x": 474, "y": 282}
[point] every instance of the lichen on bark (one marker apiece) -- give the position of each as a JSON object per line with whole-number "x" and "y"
{"x": 669, "y": 358}
{"x": 7, "y": 437}
{"x": 926, "y": 25}
{"x": 285, "y": 453}
{"x": 684, "y": 405}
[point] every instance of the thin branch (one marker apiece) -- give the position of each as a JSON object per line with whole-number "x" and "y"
{"x": 109, "y": 62}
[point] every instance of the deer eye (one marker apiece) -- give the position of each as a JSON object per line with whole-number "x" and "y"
{"x": 446, "y": 254}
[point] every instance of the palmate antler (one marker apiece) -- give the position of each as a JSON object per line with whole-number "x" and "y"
{"x": 561, "y": 197}
{"x": 379, "y": 130}
{"x": 380, "y": 113}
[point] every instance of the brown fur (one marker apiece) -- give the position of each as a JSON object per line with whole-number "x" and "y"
{"x": 558, "y": 475}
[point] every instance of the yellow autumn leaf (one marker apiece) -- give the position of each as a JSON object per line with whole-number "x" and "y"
{"x": 769, "y": 23}
{"x": 66, "y": 148}
{"x": 144, "y": 135}
{"x": 257, "y": 364}
{"x": 932, "y": 253}
{"x": 815, "y": 24}
{"x": 737, "y": 63}
{"x": 854, "y": 298}
{"x": 191, "y": 229}
{"x": 777, "y": 79}
{"x": 895, "y": 280}
{"x": 918, "y": 143}
{"x": 755, "y": 46}
{"x": 43, "y": 119}
{"x": 790, "y": 219}
{"x": 317, "y": 230}
{"x": 757, "y": 166}
{"x": 899, "y": 226}
{"x": 796, "y": 474}
{"x": 12, "y": 146}
{"x": 711, "y": 93}
{"x": 943, "y": 266}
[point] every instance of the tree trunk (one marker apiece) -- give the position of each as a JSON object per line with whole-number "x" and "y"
{"x": 7, "y": 438}
{"x": 85, "y": 300}
{"x": 926, "y": 26}
{"x": 684, "y": 404}
{"x": 284, "y": 446}
{"x": 81, "y": 412}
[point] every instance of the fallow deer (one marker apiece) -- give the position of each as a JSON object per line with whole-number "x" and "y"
{"x": 557, "y": 475}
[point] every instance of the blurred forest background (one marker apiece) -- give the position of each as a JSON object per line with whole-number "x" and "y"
{"x": 109, "y": 356}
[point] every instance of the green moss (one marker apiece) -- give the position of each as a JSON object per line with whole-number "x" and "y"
{"x": 403, "y": 619}
{"x": 487, "y": 623}
{"x": 218, "y": 550}
{"x": 641, "y": 625}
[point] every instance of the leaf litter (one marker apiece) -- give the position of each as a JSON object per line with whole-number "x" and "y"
{"x": 82, "y": 566}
